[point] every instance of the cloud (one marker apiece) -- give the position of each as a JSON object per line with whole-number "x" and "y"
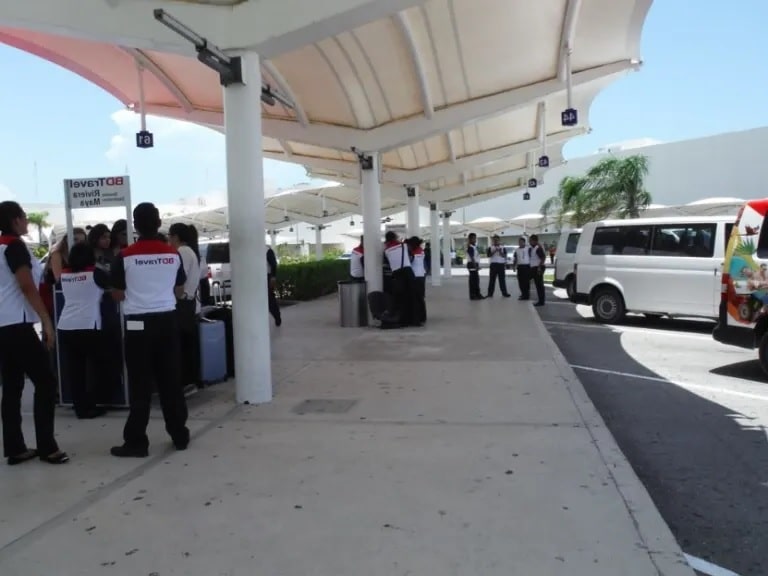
{"x": 165, "y": 130}
{"x": 6, "y": 193}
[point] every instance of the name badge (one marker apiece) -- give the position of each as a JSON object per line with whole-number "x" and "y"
{"x": 134, "y": 325}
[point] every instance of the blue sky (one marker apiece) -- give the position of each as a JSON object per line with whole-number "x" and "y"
{"x": 704, "y": 73}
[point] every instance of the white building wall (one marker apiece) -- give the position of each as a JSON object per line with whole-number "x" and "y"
{"x": 732, "y": 164}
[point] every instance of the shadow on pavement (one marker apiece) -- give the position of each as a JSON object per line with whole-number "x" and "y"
{"x": 749, "y": 370}
{"x": 705, "y": 468}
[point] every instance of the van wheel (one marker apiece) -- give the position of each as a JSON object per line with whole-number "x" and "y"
{"x": 608, "y": 306}
{"x": 570, "y": 288}
{"x": 762, "y": 353}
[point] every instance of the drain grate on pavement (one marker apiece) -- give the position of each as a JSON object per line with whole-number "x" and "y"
{"x": 324, "y": 406}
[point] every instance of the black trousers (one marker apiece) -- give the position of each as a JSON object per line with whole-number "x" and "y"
{"x": 405, "y": 302}
{"x": 111, "y": 345}
{"x": 152, "y": 360}
{"x": 420, "y": 292}
{"x": 22, "y": 353}
{"x": 82, "y": 351}
{"x": 189, "y": 342}
{"x": 538, "y": 280}
{"x": 524, "y": 280}
{"x": 474, "y": 284}
{"x": 274, "y": 307}
{"x": 497, "y": 271}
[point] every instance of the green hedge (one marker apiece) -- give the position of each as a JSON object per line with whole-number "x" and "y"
{"x": 310, "y": 280}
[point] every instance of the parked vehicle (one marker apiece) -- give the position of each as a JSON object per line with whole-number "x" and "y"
{"x": 565, "y": 260}
{"x": 655, "y": 266}
{"x": 743, "y": 309}
{"x": 216, "y": 254}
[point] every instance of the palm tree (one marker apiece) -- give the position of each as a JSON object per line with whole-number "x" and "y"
{"x": 40, "y": 220}
{"x": 569, "y": 204}
{"x": 620, "y": 182}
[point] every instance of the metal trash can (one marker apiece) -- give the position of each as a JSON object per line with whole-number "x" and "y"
{"x": 353, "y": 304}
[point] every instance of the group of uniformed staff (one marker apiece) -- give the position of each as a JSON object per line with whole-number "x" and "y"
{"x": 148, "y": 277}
{"x": 404, "y": 276}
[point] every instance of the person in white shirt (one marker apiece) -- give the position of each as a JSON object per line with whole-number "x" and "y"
{"x": 396, "y": 254}
{"x": 79, "y": 327}
{"x": 420, "y": 272}
{"x": 473, "y": 265}
{"x": 521, "y": 263}
{"x": 498, "y": 257}
{"x": 188, "y": 305}
{"x": 538, "y": 265}
{"x": 357, "y": 262}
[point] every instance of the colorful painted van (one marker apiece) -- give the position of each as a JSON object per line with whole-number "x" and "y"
{"x": 743, "y": 317}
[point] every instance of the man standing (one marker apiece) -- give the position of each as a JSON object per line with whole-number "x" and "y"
{"x": 538, "y": 258}
{"x": 521, "y": 263}
{"x": 498, "y": 257}
{"x": 473, "y": 265}
{"x": 274, "y": 307}
{"x": 403, "y": 280}
{"x": 357, "y": 263}
{"x": 148, "y": 277}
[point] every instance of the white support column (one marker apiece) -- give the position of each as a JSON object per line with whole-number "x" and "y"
{"x": 414, "y": 226}
{"x": 434, "y": 223}
{"x": 319, "y": 242}
{"x": 273, "y": 239}
{"x": 245, "y": 192}
{"x": 447, "y": 237}
{"x": 372, "y": 242}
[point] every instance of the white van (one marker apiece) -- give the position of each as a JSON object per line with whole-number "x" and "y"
{"x": 655, "y": 266}
{"x": 565, "y": 259}
{"x": 216, "y": 254}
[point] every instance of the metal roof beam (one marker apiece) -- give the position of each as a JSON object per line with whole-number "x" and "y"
{"x": 169, "y": 84}
{"x": 567, "y": 35}
{"x": 418, "y": 64}
{"x": 285, "y": 88}
{"x": 476, "y": 186}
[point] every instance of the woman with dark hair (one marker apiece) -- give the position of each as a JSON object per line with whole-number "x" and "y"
{"x": 100, "y": 239}
{"x": 119, "y": 236}
{"x": 187, "y": 305}
{"x": 21, "y": 352}
{"x": 80, "y": 327}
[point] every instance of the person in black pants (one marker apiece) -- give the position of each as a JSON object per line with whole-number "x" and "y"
{"x": 473, "y": 265}
{"x": 274, "y": 307}
{"x": 148, "y": 277}
{"x": 521, "y": 262}
{"x": 497, "y": 254}
{"x": 79, "y": 330}
{"x": 21, "y": 352}
{"x": 538, "y": 259}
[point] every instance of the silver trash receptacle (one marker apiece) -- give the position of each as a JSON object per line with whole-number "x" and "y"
{"x": 353, "y": 304}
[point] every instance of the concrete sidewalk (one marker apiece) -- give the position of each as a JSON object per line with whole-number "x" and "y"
{"x": 467, "y": 447}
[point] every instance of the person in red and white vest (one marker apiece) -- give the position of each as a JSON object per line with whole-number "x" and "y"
{"x": 357, "y": 263}
{"x": 403, "y": 280}
{"x": 418, "y": 264}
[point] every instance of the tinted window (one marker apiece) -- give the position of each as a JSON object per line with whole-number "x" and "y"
{"x": 572, "y": 242}
{"x": 687, "y": 240}
{"x": 217, "y": 253}
{"x": 624, "y": 240}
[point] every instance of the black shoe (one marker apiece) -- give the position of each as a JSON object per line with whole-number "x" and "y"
{"x": 25, "y": 456}
{"x": 57, "y": 457}
{"x": 92, "y": 413}
{"x": 278, "y": 321}
{"x": 523, "y": 298}
{"x": 126, "y": 451}
{"x": 507, "y": 295}
{"x": 182, "y": 442}
{"x": 539, "y": 304}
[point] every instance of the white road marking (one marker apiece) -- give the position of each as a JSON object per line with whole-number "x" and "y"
{"x": 648, "y": 330}
{"x": 687, "y": 385}
{"x": 707, "y": 567}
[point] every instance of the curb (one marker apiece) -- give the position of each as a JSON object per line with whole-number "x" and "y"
{"x": 654, "y": 534}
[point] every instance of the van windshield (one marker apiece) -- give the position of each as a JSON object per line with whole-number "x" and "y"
{"x": 217, "y": 253}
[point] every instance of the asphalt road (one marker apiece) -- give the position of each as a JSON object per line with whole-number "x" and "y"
{"x": 690, "y": 415}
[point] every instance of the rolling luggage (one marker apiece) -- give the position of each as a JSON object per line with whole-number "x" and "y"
{"x": 213, "y": 351}
{"x": 224, "y": 313}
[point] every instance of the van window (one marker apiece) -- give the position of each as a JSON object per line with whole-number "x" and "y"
{"x": 686, "y": 240}
{"x": 572, "y": 242}
{"x": 624, "y": 240}
{"x": 728, "y": 229}
{"x": 217, "y": 253}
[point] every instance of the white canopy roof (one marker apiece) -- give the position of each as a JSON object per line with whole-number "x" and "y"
{"x": 457, "y": 95}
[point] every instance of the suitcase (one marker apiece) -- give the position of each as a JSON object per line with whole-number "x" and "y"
{"x": 213, "y": 351}
{"x": 224, "y": 313}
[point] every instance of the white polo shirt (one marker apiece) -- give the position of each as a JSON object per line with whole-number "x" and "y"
{"x": 14, "y": 307}
{"x": 498, "y": 254}
{"x": 522, "y": 256}
{"x": 418, "y": 263}
{"x": 538, "y": 255}
{"x": 82, "y": 299}
{"x": 356, "y": 267}
{"x": 397, "y": 256}
{"x": 148, "y": 271}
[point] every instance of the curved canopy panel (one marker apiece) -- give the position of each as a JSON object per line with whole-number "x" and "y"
{"x": 453, "y": 93}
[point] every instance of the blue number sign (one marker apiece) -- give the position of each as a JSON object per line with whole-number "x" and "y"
{"x": 526, "y": 196}
{"x": 544, "y": 161}
{"x": 569, "y": 117}
{"x": 145, "y": 139}
{"x": 533, "y": 183}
